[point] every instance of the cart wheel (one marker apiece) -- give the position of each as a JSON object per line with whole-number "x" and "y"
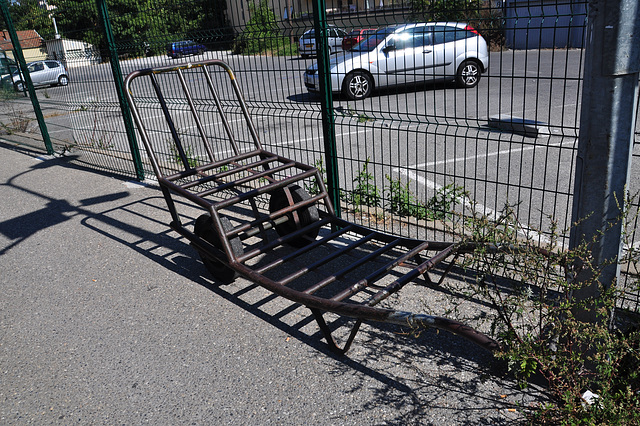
{"x": 306, "y": 215}
{"x": 204, "y": 229}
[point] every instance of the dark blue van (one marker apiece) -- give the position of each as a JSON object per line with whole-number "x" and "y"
{"x": 183, "y": 48}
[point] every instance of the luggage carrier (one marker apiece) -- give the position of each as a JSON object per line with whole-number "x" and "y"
{"x": 268, "y": 218}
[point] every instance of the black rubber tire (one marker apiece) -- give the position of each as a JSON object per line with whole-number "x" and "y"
{"x": 468, "y": 74}
{"x": 306, "y": 215}
{"x": 357, "y": 85}
{"x": 204, "y": 229}
{"x": 63, "y": 80}
{"x": 19, "y": 86}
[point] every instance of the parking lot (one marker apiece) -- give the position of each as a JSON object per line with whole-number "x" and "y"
{"x": 429, "y": 135}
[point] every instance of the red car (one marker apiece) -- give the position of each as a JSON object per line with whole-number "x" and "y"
{"x": 355, "y": 37}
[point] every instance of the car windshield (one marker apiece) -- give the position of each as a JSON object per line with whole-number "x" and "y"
{"x": 370, "y": 43}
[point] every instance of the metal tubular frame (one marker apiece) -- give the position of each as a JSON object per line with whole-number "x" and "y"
{"x": 245, "y": 177}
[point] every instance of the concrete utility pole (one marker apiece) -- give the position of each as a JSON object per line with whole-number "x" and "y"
{"x": 607, "y": 124}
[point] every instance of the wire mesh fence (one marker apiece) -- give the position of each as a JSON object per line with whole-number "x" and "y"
{"x": 416, "y": 148}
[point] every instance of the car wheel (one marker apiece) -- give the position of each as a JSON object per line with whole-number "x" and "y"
{"x": 63, "y": 80}
{"x": 468, "y": 74}
{"x": 19, "y": 86}
{"x": 357, "y": 85}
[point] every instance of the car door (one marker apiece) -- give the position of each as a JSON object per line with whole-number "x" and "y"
{"x": 191, "y": 47}
{"x": 445, "y": 50}
{"x": 53, "y": 71}
{"x": 424, "y": 54}
{"x": 37, "y": 73}
{"x": 407, "y": 56}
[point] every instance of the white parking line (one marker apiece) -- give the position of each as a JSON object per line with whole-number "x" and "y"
{"x": 478, "y": 208}
{"x": 475, "y": 157}
{"x": 296, "y": 141}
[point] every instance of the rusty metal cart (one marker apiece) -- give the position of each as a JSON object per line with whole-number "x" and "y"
{"x": 265, "y": 217}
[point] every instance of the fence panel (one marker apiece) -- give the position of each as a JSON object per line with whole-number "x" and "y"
{"x": 409, "y": 154}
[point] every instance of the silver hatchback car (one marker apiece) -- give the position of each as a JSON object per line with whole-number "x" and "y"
{"x": 408, "y": 53}
{"x": 43, "y": 73}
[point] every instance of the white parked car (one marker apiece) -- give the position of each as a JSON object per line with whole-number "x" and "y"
{"x": 407, "y": 53}
{"x": 43, "y": 73}
{"x": 307, "y": 43}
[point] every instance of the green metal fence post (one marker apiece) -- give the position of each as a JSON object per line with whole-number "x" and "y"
{"x": 118, "y": 80}
{"x": 4, "y": 5}
{"x": 328, "y": 117}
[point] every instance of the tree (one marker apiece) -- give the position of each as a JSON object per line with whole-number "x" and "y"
{"x": 140, "y": 23}
{"x": 28, "y": 15}
{"x": 477, "y": 13}
{"x": 78, "y": 19}
{"x": 445, "y": 10}
{"x": 260, "y": 32}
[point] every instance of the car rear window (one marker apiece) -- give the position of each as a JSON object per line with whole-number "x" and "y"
{"x": 446, "y": 34}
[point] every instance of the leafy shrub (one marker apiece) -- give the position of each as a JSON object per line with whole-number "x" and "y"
{"x": 529, "y": 284}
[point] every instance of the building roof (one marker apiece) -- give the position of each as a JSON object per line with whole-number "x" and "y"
{"x": 29, "y": 39}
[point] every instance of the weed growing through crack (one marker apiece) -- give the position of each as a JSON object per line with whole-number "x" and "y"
{"x": 365, "y": 193}
{"x": 192, "y": 160}
{"x": 439, "y": 207}
{"x": 190, "y": 156}
{"x": 313, "y": 187}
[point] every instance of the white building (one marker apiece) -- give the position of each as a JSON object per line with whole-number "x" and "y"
{"x": 72, "y": 52}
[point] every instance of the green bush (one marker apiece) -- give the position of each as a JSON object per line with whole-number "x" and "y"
{"x": 529, "y": 285}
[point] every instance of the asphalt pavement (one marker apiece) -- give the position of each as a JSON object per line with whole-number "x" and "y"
{"x": 107, "y": 317}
